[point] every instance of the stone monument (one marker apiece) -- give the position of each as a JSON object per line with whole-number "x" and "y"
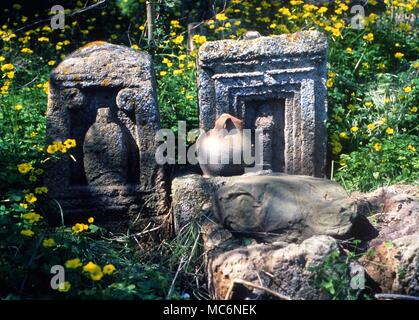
{"x": 272, "y": 83}
{"x": 103, "y": 96}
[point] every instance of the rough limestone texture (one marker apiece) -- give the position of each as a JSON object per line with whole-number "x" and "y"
{"x": 285, "y": 270}
{"x": 285, "y": 207}
{"x": 103, "y": 95}
{"x": 272, "y": 83}
{"x": 393, "y": 262}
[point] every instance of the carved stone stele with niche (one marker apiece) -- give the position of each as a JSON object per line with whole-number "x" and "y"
{"x": 272, "y": 83}
{"x": 103, "y": 96}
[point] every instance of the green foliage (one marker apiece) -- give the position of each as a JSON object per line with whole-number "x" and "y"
{"x": 367, "y": 169}
{"x": 26, "y": 260}
{"x": 333, "y": 277}
{"x": 373, "y": 132}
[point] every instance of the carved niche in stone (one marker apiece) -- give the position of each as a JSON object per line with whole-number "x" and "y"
{"x": 103, "y": 96}
{"x": 272, "y": 83}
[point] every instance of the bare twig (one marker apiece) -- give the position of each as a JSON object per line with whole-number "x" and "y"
{"x": 250, "y": 284}
{"x": 180, "y": 267}
{"x": 77, "y": 12}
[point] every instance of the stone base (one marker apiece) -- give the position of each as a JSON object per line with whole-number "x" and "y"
{"x": 285, "y": 270}
{"x": 285, "y": 207}
{"x": 265, "y": 229}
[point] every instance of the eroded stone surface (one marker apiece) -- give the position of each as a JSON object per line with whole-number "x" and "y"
{"x": 285, "y": 270}
{"x": 103, "y": 96}
{"x": 393, "y": 258}
{"x": 288, "y": 208}
{"x": 272, "y": 83}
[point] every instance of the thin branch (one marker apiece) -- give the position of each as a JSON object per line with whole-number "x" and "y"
{"x": 77, "y": 12}
{"x": 250, "y": 284}
{"x": 172, "y": 286}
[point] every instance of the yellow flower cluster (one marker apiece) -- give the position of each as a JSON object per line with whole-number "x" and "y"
{"x": 61, "y": 146}
{"x": 79, "y": 227}
{"x": 96, "y": 273}
{"x": 8, "y": 70}
{"x": 41, "y": 190}
{"x": 199, "y": 39}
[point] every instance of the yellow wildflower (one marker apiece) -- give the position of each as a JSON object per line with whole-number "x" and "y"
{"x": 48, "y": 243}
{"x": 377, "y": 147}
{"x": 24, "y": 167}
{"x": 398, "y": 55}
{"x": 46, "y": 87}
{"x": 343, "y": 135}
{"x": 163, "y": 73}
{"x": 322, "y": 10}
{"x": 91, "y": 220}
{"x": 65, "y": 287}
{"x": 26, "y": 50}
{"x": 411, "y": 148}
{"x": 32, "y": 217}
{"x": 7, "y": 67}
{"x": 407, "y": 89}
{"x": 27, "y": 233}
{"x": 285, "y": 11}
{"x": 179, "y": 39}
{"x": 221, "y": 17}
{"x": 96, "y": 275}
{"x": 329, "y": 83}
{"x": 70, "y": 143}
{"x": 51, "y": 62}
{"x": 371, "y": 126}
{"x": 31, "y": 198}
{"x": 41, "y": 190}
{"x": 79, "y": 227}
{"x": 10, "y": 74}
{"x": 73, "y": 263}
{"x": 94, "y": 270}
{"x": 109, "y": 269}
{"x": 52, "y": 148}
{"x": 175, "y": 23}
{"x": 199, "y": 39}
{"x": 368, "y": 37}
{"x": 354, "y": 129}
{"x": 389, "y": 131}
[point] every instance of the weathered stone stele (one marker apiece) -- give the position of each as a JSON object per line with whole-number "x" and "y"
{"x": 272, "y": 83}
{"x": 103, "y": 96}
